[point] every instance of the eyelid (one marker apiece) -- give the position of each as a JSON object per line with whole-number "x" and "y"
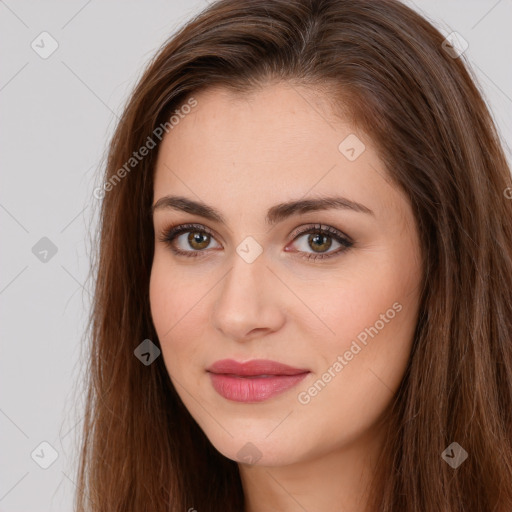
{"x": 178, "y": 228}
{"x": 174, "y": 230}
{"x": 296, "y": 232}
{"x": 169, "y": 235}
{"x": 320, "y": 227}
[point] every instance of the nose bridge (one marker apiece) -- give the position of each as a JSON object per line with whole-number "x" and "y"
{"x": 246, "y": 279}
{"x": 245, "y": 301}
{"x": 249, "y": 267}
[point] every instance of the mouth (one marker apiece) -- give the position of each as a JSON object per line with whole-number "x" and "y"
{"x": 253, "y": 381}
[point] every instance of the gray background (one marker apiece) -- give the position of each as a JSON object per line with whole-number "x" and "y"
{"x": 57, "y": 116}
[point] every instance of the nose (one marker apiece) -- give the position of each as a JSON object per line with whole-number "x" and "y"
{"x": 248, "y": 304}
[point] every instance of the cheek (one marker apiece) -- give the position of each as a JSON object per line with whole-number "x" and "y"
{"x": 377, "y": 294}
{"x": 162, "y": 298}
{"x": 177, "y": 315}
{"x": 371, "y": 316}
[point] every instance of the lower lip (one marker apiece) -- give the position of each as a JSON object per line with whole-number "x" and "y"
{"x": 253, "y": 389}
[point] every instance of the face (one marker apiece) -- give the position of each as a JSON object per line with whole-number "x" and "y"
{"x": 329, "y": 290}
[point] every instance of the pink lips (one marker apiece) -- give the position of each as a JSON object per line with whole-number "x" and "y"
{"x": 253, "y": 381}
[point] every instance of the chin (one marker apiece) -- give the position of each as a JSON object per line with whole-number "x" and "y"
{"x": 257, "y": 448}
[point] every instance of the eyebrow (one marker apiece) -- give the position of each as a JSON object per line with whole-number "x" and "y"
{"x": 275, "y": 214}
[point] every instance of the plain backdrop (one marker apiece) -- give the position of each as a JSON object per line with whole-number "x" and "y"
{"x": 57, "y": 115}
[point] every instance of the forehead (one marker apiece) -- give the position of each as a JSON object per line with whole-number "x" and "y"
{"x": 276, "y": 143}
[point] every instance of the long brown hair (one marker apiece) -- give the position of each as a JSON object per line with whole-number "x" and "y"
{"x": 386, "y": 68}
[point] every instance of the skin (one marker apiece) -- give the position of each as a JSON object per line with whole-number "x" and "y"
{"x": 243, "y": 155}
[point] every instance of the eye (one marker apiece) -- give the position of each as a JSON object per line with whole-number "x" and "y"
{"x": 320, "y": 241}
{"x": 199, "y": 238}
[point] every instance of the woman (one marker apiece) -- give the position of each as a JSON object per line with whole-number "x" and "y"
{"x": 242, "y": 362}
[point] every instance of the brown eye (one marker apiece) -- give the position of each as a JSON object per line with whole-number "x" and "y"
{"x": 320, "y": 240}
{"x": 198, "y": 240}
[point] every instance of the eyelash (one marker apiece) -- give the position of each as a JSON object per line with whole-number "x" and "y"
{"x": 172, "y": 232}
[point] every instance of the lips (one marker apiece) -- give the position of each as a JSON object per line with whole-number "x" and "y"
{"x": 253, "y": 381}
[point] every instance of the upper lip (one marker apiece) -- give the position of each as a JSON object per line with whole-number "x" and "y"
{"x": 254, "y": 367}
